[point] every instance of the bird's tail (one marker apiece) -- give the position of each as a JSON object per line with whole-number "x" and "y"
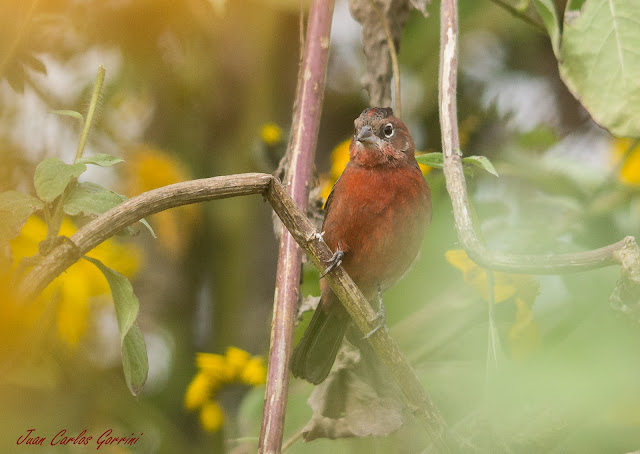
{"x": 316, "y": 352}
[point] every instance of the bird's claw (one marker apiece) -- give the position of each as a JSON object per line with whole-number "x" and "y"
{"x": 316, "y": 236}
{"x": 334, "y": 261}
{"x": 381, "y": 316}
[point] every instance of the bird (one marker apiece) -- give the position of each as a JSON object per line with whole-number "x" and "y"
{"x": 376, "y": 217}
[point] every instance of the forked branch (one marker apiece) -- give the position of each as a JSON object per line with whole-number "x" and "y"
{"x": 302, "y": 231}
{"x": 456, "y": 186}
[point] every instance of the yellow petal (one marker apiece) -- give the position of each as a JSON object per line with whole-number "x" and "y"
{"x": 271, "y": 134}
{"x": 26, "y": 244}
{"x": 211, "y": 416}
{"x": 198, "y": 391}
{"x": 73, "y": 310}
{"x": 215, "y": 366}
{"x": 630, "y": 171}
{"x": 254, "y": 372}
{"x": 236, "y": 360}
{"x": 149, "y": 168}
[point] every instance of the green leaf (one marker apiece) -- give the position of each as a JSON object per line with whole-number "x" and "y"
{"x": 52, "y": 177}
{"x": 100, "y": 159}
{"x": 91, "y": 199}
{"x": 134, "y": 352}
{"x": 482, "y": 162}
{"x": 547, "y": 11}
{"x": 600, "y": 64}
{"x": 144, "y": 222}
{"x": 69, "y": 113}
{"x": 134, "y": 360}
{"x": 435, "y": 160}
{"x": 15, "y": 208}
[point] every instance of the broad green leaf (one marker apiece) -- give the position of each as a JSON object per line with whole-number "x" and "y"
{"x": 134, "y": 352}
{"x": 100, "y": 159}
{"x": 435, "y": 160}
{"x": 134, "y": 360}
{"x": 15, "y": 208}
{"x": 52, "y": 177}
{"x": 69, "y": 113}
{"x": 91, "y": 199}
{"x": 600, "y": 61}
{"x": 547, "y": 11}
{"x": 481, "y": 162}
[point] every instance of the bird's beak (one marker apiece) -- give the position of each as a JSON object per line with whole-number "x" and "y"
{"x": 365, "y": 135}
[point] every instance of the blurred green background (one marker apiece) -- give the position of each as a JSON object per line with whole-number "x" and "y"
{"x": 190, "y": 87}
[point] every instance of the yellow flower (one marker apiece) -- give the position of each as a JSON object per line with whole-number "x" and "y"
{"x": 630, "y": 170}
{"x": 215, "y": 366}
{"x": 271, "y": 134}
{"x": 524, "y": 335}
{"x": 211, "y": 416}
{"x": 254, "y": 372}
{"x": 198, "y": 392}
{"x": 149, "y": 168}
{"x": 236, "y": 360}
{"x": 215, "y": 371}
{"x": 339, "y": 160}
{"x": 81, "y": 281}
{"x": 505, "y": 285}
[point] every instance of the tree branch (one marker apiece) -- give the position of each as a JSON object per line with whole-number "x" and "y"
{"x": 302, "y": 231}
{"x": 300, "y": 159}
{"x": 456, "y": 185}
{"x": 129, "y": 212}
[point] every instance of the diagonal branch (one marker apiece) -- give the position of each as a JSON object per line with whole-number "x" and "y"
{"x": 456, "y": 185}
{"x": 302, "y": 231}
{"x": 130, "y": 212}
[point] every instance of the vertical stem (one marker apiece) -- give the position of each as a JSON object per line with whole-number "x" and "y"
{"x": 93, "y": 104}
{"x": 302, "y": 145}
{"x": 449, "y": 77}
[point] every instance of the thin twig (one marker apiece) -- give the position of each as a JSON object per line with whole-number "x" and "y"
{"x": 456, "y": 185}
{"x": 520, "y": 15}
{"x": 287, "y": 444}
{"x": 298, "y": 176}
{"x": 394, "y": 58}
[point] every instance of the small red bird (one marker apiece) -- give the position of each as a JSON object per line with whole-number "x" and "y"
{"x": 376, "y": 216}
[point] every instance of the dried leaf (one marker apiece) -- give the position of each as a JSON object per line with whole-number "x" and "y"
{"x": 357, "y": 399}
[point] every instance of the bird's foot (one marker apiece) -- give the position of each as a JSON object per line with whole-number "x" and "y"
{"x": 315, "y": 236}
{"x": 381, "y": 319}
{"x": 334, "y": 261}
{"x": 381, "y": 316}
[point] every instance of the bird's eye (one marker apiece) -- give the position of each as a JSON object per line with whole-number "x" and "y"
{"x": 388, "y": 130}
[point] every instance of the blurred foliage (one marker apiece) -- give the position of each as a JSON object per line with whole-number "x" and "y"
{"x": 196, "y": 89}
